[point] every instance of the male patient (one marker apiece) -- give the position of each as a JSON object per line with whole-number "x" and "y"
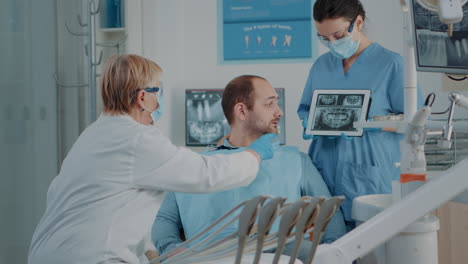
{"x": 250, "y": 105}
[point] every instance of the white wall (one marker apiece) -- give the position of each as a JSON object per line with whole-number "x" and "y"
{"x": 181, "y": 35}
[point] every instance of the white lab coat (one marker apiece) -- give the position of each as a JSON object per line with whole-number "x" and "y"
{"x": 102, "y": 205}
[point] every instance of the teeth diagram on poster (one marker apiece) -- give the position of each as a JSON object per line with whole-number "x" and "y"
{"x": 270, "y": 29}
{"x": 266, "y": 40}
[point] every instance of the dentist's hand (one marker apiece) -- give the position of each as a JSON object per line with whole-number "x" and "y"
{"x": 263, "y": 146}
{"x": 305, "y": 122}
{"x": 303, "y": 114}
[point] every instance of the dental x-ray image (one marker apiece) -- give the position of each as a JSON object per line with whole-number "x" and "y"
{"x": 333, "y": 111}
{"x": 327, "y": 99}
{"x": 335, "y": 119}
{"x": 205, "y": 121}
{"x": 435, "y": 50}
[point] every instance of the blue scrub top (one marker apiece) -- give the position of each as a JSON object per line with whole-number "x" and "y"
{"x": 289, "y": 174}
{"x": 355, "y": 166}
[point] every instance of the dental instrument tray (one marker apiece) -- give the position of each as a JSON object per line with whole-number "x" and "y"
{"x": 332, "y": 112}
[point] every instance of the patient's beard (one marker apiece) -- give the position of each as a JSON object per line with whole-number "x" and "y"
{"x": 258, "y": 127}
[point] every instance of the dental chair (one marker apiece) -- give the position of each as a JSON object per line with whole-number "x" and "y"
{"x": 255, "y": 219}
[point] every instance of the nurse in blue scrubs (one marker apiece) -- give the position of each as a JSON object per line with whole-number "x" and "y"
{"x": 354, "y": 166}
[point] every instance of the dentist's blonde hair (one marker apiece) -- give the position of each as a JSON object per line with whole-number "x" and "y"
{"x": 123, "y": 77}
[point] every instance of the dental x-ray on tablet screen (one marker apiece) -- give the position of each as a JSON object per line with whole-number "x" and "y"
{"x": 436, "y": 51}
{"x": 332, "y": 112}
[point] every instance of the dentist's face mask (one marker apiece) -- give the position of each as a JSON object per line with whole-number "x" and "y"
{"x": 341, "y": 43}
{"x": 156, "y": 114}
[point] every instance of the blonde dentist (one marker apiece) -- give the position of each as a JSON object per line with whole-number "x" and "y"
{"x": 101, "y": 206}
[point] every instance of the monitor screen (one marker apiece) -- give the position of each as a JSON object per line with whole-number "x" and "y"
{"x": 435, "y": 50}
{"x": 205, "y": 122}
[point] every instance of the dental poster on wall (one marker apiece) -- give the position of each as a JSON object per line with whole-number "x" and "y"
{"x": 270, "y": 29}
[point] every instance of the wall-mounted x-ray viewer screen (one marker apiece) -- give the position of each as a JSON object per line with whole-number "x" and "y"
{"x": 435, "y": 50}
{"x": 205, "y": 121}
{"x": 332, "y": 112}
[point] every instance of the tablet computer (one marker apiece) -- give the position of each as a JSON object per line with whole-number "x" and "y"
{"x": 332, "y": 112}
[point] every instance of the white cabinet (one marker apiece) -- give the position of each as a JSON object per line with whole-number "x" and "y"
{"x": 453, "y": 233}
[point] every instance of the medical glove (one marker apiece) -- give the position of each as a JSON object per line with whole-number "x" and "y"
{"x": 304, "y": 116}
{"x": 305, "y": 122}
{"x": 308, "y": 136}
{"x": 263, "y": 146}
{"x": 303, "y": 113}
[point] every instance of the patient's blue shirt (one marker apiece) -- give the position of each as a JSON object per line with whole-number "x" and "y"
{"x": 290, "y": 174}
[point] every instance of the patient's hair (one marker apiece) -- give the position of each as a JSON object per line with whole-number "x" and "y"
{"x": 331, "y": 9}
{"x": 123, "y": 77}
{"x": 238, "y": 90}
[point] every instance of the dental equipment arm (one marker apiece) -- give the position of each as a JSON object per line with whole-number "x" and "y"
{"x": 413, "y": 163}
{"x": 186, "y": 243}
{"x": 307, "y": 219}
{"x": 450, "y": 11}
{"x": 287, "y": 223}
{"x": 392, "y": 220}
{"x": 456, "y": 99}
{"x": 459, "y": 99}
{"x": 267, "y": 217}
{"x": 412, "y": 167}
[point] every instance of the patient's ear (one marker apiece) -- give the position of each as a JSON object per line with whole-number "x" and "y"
{"x": 241, "y": 112}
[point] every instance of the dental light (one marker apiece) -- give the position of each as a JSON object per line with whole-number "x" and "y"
{"x": 450, "y": 11}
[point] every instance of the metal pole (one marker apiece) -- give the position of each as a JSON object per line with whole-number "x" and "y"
{"x": 91, "y": 63}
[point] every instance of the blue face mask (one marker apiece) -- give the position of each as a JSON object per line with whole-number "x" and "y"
{"x": 342, "y": 48}
{"x": 156, "y": 114}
